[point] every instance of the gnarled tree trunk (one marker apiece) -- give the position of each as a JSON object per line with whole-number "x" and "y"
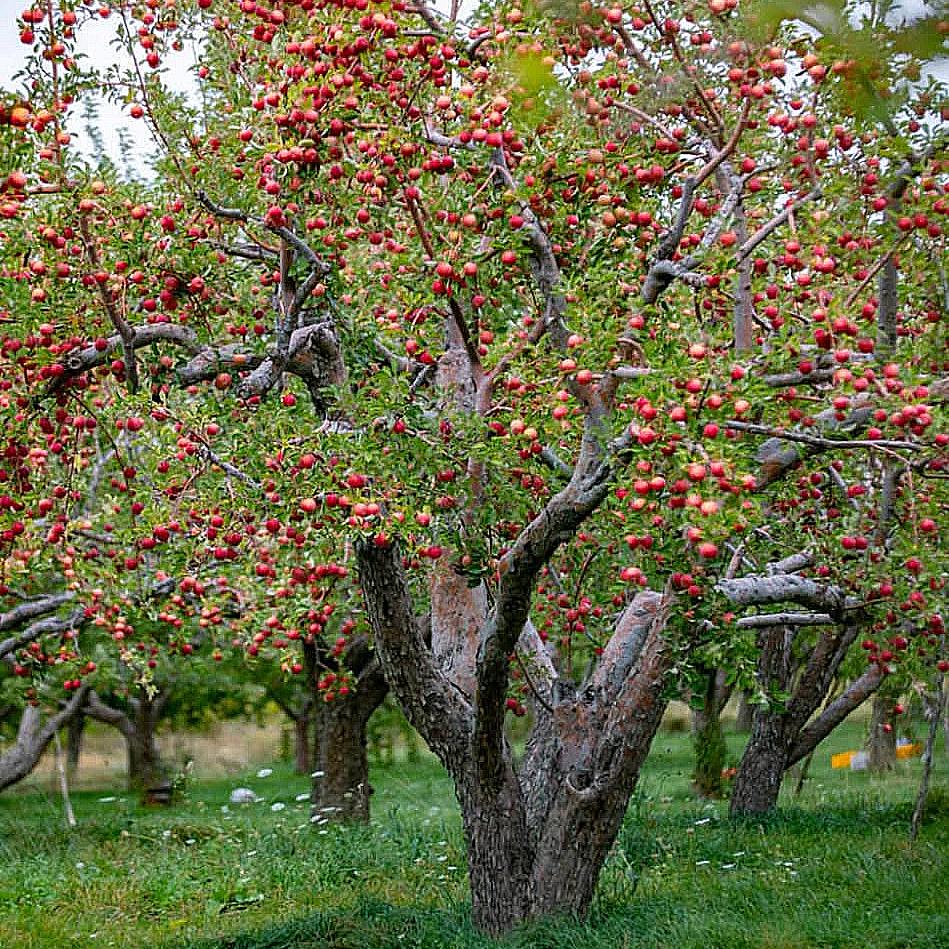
{"x": 146, "y": 770}
{"x": 33, "y": 735}
{"x": 783, "y": 733}
{"x": 763, "y": 764}
{"x": 537, "y": 833}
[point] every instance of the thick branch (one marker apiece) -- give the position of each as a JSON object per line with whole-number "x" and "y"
{"x": 889, "y": 302}
{"x": 858, "y": 692}
{"x": 784, "y": 588}
{"x": 533, "y": 548}
{"x": 783, "y": 380}
{"x": 148, "y": 335}
{"x": 434, "y": 707}
{"x": 50, "y": 625}
{"x": 622, "y": 652}
{"x": 762, "y": 620}
{"x": 32, "y": 738}
{"x": 102, "y": 712}
{"x": 31, "y": 609}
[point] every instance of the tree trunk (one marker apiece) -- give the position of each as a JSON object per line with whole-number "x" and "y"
{"x": 746, "y": 713}
{"x": 762, "y": 767}
{"x": 578, "y": 836}
{"x": 765, "y": 758}
{"x": 538, "y": 835}
{"x": 341, "y": 787}
{"x": 302, "y": 746}
{"x": 74, "y": 734}
{"x": 881, "y": 741}
{"x": 146, "y": 771}
{"x": 500, "y": 855}
{"x": 33, "y": 735}
{"x": 708, "y": 739}
{"x": 522, "y": 867}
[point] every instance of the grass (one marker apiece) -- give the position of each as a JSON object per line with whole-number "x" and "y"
{"x": 833, "y": 868}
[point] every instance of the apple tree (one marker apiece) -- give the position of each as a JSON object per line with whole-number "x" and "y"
{"x": 601, "y": 346}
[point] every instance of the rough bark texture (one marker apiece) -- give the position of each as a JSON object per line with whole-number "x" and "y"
{"x": 33, "y": 736}
{"x": 146, "y": 771}
{"x": 763, "y": 764}
{"x": 881, "y": 741}
{"x": 784, "y": 734}
{"x": 341, "y": 787}
{"x": 539, "y": 833}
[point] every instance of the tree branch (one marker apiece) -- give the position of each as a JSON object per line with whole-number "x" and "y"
{"x": 813, "y": 734}
{"x": 816, "y": 441}
{"x": 762, "y": 620}
{"x": 51, "y": 625}
{"x": 785, "y": 588}
{"x": 435, "y": 708}
{"x": 31, "y": 609}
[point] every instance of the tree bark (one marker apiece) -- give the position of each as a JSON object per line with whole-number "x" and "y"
{"x": 341, "y": 788}
{"x": 765, "y": 758}
{"x": 881, "y": 741}
{"x": 539, "y": 833}
{"x": 782, "y": 735}
{"x": 33, "y": 736}
{"x": 763, "y": 764}
{"x": 75, "y": 729}
{"x": 745, "y": 715}
{"x": 708, "y": 739}
{"x": 500, "y": 856}
{"x": 145, "y": 767}
{"x": 302, "y": 745}
{"x": 146, "y": 770}
{"x": 708, "y": 742}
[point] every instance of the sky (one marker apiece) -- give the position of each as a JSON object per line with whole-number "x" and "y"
{"x": 95, "y": 40}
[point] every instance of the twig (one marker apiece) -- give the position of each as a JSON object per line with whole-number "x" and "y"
{"x": 816, "y": 441}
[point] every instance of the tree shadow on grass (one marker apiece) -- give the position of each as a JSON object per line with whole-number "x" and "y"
{"x": 374, "y": 924}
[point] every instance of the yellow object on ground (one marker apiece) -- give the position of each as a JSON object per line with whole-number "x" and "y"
{"x": 909, "y": 751}
{"x": 845, "y": 758}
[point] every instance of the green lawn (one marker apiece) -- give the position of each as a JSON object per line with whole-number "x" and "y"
{"x": 834, "y": 868}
